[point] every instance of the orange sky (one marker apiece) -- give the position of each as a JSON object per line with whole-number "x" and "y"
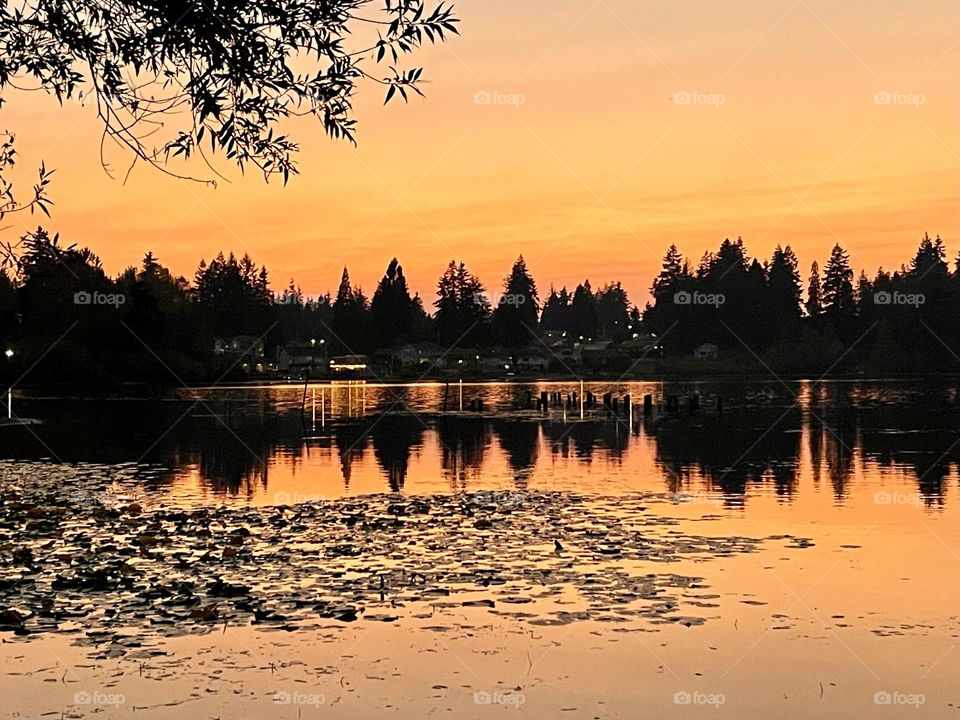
{"x": 599, "y": 167}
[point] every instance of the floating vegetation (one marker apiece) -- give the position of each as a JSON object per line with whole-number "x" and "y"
{"x": 84, "y": 551}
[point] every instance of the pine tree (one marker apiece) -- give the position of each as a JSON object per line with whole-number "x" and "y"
{"x": 672, "y": 269}
{"x": 613, "y": 311}
{"x": 462, "y": 307}
{"x": 584, "y": 321}
{"x": 814, "y": 292}
{"x": 838, "y": 295}
{"x": 514, "y": 320}
{"x": 392, "y": 310}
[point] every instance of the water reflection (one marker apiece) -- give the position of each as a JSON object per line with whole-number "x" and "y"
{"x": 241, "y": 442}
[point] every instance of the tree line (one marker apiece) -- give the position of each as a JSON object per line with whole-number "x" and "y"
{"x": 63, "y": 317}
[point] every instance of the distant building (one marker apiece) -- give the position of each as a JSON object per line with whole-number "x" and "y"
{"x": 418, "y": 354}
{"x": 555, "y": 338}
{"x": 707, "y": 351}
{"x": 497, "y": 364}
{"x": 246, "y": 351}
{"x": 642, "y": 344}
{"x": 533, "y": 362}
{"x": 349, "y": 365}
{"x": 296, "y": 357}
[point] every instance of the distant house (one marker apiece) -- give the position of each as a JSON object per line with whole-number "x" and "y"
{"x": 349, "y": 365}
{"x": 246, "y": 351}
{"x": 555, "y": 338}
{"x": 533, "y": 362}
{"x": 497, "y": 364}
{"x": 418, "y": 354}
{"x": 707, "y": 351}
{"x": 295, "y": 357}
{"x": 641, "y": 344}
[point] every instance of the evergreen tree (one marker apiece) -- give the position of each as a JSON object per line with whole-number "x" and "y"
{"x": 584, "y": 320}
{"x": 350, "y": 318}
{"x": 814, "y": 292}
{"x": 785, "y": 289}
{"x": 838, "y": 295}
{"x": 392, "y": 310}
{"x": 463, "y": 309}
{"x": 556, "y": 311}
{"x": 613, "y": 311}
{"x": 514, "y": 320}
{"x": 672, "y": 269}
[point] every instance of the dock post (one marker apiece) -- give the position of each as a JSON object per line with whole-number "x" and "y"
{"x": 323, "y": 408}
{"x": 581, "y": 399}
{"x": 647, "y": 405}
{"x": 461, "y": 394}
{"x": 313, "y": 407}
{"x": 9, "y": 403}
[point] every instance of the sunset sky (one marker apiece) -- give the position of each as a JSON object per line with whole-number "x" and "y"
{"x": 586, "y": 160}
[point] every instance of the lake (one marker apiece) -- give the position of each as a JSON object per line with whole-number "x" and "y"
{"x": 280, "y": 552}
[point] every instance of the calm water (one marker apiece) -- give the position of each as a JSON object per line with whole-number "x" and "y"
{"x": 845, "y": 605}
{"x": 840, "y": 441}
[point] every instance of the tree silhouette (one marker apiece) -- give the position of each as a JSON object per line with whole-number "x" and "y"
{"x": 172, "y": 78}
{"x": 514, "y": 320}
{"x": 584, "y": 318}
{"x": 838, "y": 296}
{"x": 463, "y": 308}
{"x": 393, "y": 313}
{"x": 350, "y": 318}
{"x": 613, "y": 311}
{"x": 556, "y": 311}
{"x": 814, "y": 304}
